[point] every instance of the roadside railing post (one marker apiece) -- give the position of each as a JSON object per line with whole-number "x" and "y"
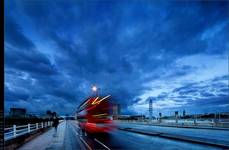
{"x": 29, "y": 128}
{"x": 36, "y": 126}
{"x": 42, "y": 125}
{"x": 14, "y": 130}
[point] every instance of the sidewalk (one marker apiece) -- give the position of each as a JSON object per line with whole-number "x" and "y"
{"x": 48, "y": 140}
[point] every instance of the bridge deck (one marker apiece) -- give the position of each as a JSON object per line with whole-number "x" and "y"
{"x": 49, "y": 140}
{"x": 68, "y": 137}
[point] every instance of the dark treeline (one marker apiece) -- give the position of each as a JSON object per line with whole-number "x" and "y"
{"x": 28, "y": 119}
{"x": 23, "y": 121}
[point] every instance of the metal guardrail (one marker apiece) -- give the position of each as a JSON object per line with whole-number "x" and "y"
{"x": 16, "y": 131}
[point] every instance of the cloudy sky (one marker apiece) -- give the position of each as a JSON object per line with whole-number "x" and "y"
{"x": 173, "y": 51}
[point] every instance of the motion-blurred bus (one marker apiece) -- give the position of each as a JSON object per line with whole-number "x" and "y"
{"x": 95, "y": 115}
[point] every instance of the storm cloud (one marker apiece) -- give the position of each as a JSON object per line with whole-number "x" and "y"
{"x": 175, "y": 52}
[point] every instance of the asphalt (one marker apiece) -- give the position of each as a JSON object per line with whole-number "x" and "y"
{"x": 205, "y": 141}
{"x": 72, "y": 139}
{"x": 69, "y": 137}
{"x": 215, "y": 136}
{"x": 125, "y": 140}
{"x": 178, "y": 125}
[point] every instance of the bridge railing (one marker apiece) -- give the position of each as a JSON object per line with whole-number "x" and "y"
{"x": 16, "y": 131}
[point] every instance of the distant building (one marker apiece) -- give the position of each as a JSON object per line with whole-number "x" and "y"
{"x": 17, "y": 112}
{"x": 31, "y": 116}
{"x": 48, "y": 115}
{"x": 116, "y": 109}
{"x": 184, "y": 113}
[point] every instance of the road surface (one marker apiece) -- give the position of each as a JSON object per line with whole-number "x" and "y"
{"x": 69, "y": 137}
{"x": 221, "y": 136}
{"x": 124, "y": 140}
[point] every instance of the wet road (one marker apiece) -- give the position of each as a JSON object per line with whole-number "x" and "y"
{"x": 123, "y": 140}
{"x": 217, "y": 135}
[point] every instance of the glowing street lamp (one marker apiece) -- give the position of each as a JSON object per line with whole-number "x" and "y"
{"x": 95, "y": 89}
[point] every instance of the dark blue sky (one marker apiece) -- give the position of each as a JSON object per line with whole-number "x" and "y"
{"x": 173, "y": 51}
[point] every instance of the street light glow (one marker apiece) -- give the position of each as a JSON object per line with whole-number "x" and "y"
{"x": 94, "y": 88}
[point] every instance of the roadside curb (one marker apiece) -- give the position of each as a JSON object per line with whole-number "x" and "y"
{"x": 177, "y": 137}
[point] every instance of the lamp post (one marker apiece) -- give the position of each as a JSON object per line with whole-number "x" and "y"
{"x": 96, "y": 90}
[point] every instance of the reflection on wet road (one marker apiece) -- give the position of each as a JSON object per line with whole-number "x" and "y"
{"x": 122, "y": 140}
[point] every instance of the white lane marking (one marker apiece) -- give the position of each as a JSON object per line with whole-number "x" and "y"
{"x": 81, "y": 145}
{"x": 102, "y": 144}
{"x": 77, "y": 126}
{"x": 74, "y": 130}
{"x": 85, "y": 143}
